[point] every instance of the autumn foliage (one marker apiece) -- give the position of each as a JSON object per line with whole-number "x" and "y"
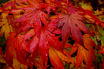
{"x": 51, "y": 34}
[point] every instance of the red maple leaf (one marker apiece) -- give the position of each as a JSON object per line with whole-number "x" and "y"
{"x": 39, "y": 44}
{"x": 72, "y": 26}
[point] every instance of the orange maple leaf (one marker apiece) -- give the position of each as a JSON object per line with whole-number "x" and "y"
{"x": 84, "y": 54}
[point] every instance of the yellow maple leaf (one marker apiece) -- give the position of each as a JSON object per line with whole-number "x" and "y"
{"x": 18, "y": 65}
{"x": 86, "y": 6}
{"x": 5, "y": 27}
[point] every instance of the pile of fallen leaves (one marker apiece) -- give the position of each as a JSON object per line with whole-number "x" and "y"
{"x": 51, "y": 34}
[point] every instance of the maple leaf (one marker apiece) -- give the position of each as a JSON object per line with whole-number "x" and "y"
{"x": 33, "y": 16}
{"x": 18, "y": 65}
{"x": 17, "y": 48}
{"x": 4, "y": 24}
{"x": 17, "y": 43}
{"x": 21, "y": 49}
{"x": 41, "y": 43}
{"x": 27, "y": 20}
{"x": 73, "y": 25}
{"x": 91, "y": 17}
{"x": 86, "y": 6}
{"x": 84, "y": 54}
{"x": 10, "y": 48}
{"x": 55, "y": 60}
{"x": 59, "y": 57}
